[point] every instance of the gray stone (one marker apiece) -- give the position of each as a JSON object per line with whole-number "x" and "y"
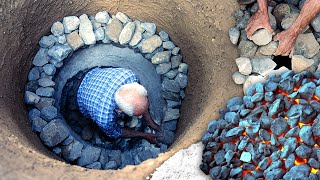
{"x": 62, "y": 39}
{"x": 57, "y": 28}
{"x": 45, "y": 91}
{"x": 171, "y": 74}
{"x": 54, "y": 133}
{"x": 247, "y": 48}
{"x": 47, "y": 41}
{"x": 57, "y": 151}
{"x": 33, "y": 114}
{"x": 137, "y": 36}
{"x": 68, "y": 140}
{"x": 102, "y": 17}
{"x": 151, "y": 44}
{"x": 164, "y": 36}
{"x": 280, "y": 11}
{"x": 171, "y": 114}
{"x": 74, "y": 40}
{"x": 300, "y": 63}
{"x": 38, "y": 124}
{"x": 314, "y": 163}
{"x": 244, "y": 65}
{"x": 176, "y": 61}
{"x": 307, "y": 91}
{"x": 306, "y": 135}
{"x": 234, "y": 35}
{"x": 149, "y": 27}
{"x": 263, "y": 164}
{"x": 289, "y": 20}
{"x": 127, "y": 33}
{"x": 298, "y": 172}
{"x": 114, "y": 30}
{"x": 170, "y": 85}
{"x": 89, "y": 155}
{"x": 245, "y": 157}
{"x": 122, "y": 17}
{"x": 41, "y": 58}
{"x": 45, "y": 82}
{"x": 279, "y": 126}
{"x": 34, "y": 74}
{"x": 163, "y": 68}
{"x": 70, "y": 23}
{"x": 49, "y": 69}
{"x": 273, "y": 21}
{"x": 237, "y": 131}
{"x": 182, "y": 80}
{"x": 306, "y": 45}
{"x": 289, "y": 162}
{"x": 303, "y": 151}
{"x": 161, "y": 57}
{"x": 48, "y": 113}
{"x": 72, "y": 151}
{"x": 95, "y": 165}
{"x": 59, "y": 52}
{"x": 316, "y": 24}
{"x": 168, "y": 45}
{"x": 86, "y": 30}
{"x": 86, "y": 133}
{"x": 111, "y": 165}
{"x": 269, "y": 49}
{"x": 263, "y": 65}
{"x": 99, "y": 34}
{"x": 183, "y": 68}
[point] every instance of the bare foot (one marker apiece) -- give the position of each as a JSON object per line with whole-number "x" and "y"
{"x": 287, "y": 40}
{"x": 258, "y": 21}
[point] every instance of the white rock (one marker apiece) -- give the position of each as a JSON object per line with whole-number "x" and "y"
{"x": 122, "y": 17}
{"x": 251, "y": 80}
{"x": 102, "y": 17}
{"x": 57, "y": 28}
{"x": 234, "y": 35}
{"x": 279, "y": 71}
{"x": 306, "y": 45}
{"x": 300, "y": 63}
{"x": 151, "y": 28}
{"x": 114, "y": 30}
{"x": 238, "y": 78}
{"x": 151, "y": 44}
{"x": 244, "y": 65}
{"x": 245, "y": 157}
{"x": 86, "y": 30}
{"x": 127, "y": 33}
{"x": 137, "y": 36}
{"x": 263, "y": 65}
{"x": 262, "y": 37}
{"x": 268, "y": 49}
{"x": 70, "y": 23}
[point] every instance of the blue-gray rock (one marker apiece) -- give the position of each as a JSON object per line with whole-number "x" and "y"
{"x": 49, "y": 69}
{"x": 289, "y": 162}
{"x": 176, "y": 61}
{"x": 149, "y": 27}
{"x": 269, "y": 96}
{"x": 318, "y": 91}
{"x": 271, "y": 86}
{"x": 70, "y": 23}
{"x": 232, "y": 117}
{"x": 234, "y": 35}
{"x": 59, "y": 52}
{"x": 245, "y": 157}
{"x": 57, "y": 151}
{"x": 32, "y": 86}
{"x": 235, "y": 171}
{"x": 46, "y": 41}
{"x": 127, "y": 158}
{"x": 170, "y": 125}
{"x": 247, "y": 102}
{"x": 48, "y": 113}
{"x": 38, "y": 124}
{"x": 41, "y": 58}
{"x": 307, "y": 90}
{"x": 247, "y": 48}
{"x": 173, "y": 104}
{"x": 257, "y": 97}
{"x": 183, "y": 68}
{"x": 68, "y": 140}
{"x": 72, "y": 151}
{"x": 279, "y": 126}
{"x": 33, "y": 114}
{"x": 161, "y": 57}
{"x": 89, "y": 155}
{"x": 314, "y": 163}
{"x": 263, "y": 164}
{"x": 111, "y": 165}
{"x": 54, "y": 133}
{"x": 215, "y": 171}
{"x": 171, "y": 96}
{"x": 175, "y": 51}
{"x": 298, "y": 172}
{"x": 127, "y": 33}
{"x": 151, "y": 44}
{"x": 56, "y": 63}
{"x": 45, "y": 82}
{"x": 316, "y": 24}
{"x": 303, "y": 151}
{"x": 163, "y": 68}
{"x": 95, "y": 165}
{"x": 306, "y": 135}
{"x": 234, "y": 101}
{"x": 171, "y": 114}
{"x": 251, "y": 90}
{"x": 44, "y": 102}
{"x": 170, "y": 85}
{"x": 294, "y": 132}
{"x": 45, "y": 91}
{"x": 31, "y": 98}
{"x": 164, "y": 36}
{"x": 62, "y": 39}
{"x": 57, "y": 28}
{"x": 102, "y": 17}
{"x": 259, "y": 88}
{"x": 235, "y": 132}
{"x": 104, "y": 156}
{"x": 182, "y": 80}
{"x": 276, "y": 107}
{"x": 99, "y": 34}
{"x": 168, "y": 45}
{"x": 168, "y": 138}
{"x": 86, "y": 133}
{"x": 171, "y": 74}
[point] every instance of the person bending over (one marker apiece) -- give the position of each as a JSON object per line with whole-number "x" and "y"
{"x": 105, "y": 93}
{"x": 287, "y": 38}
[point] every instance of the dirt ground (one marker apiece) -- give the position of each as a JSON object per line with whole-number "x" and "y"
{"x": 198, "y": 27}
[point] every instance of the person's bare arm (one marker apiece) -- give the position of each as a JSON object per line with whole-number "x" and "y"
{"x": 287, "y": 38}
{"x": 259, "y": 20}
{"x": 126, "y": 132}
{"x": 150, "y": 121}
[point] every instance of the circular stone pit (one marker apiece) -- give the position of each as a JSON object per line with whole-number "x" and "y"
{"x": 271, "y": 133}
{"x": 79, "y": 44}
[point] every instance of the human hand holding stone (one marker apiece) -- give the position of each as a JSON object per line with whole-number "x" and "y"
{"x": 151, "y": 138}
{"x": 258, "y": 21}
{"x": 287, "y": 40}
{"x": 151, "y": 122}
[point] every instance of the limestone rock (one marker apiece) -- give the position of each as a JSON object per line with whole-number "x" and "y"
{"x": 234, "y": 35}
{"x": 31, "y": 98}
{"x": 300, "y": 63}
{"x": 59, "y": 52}
{"x": 86, "y": 30}
{"x": 137, "y": 36}
{"x": 262, "y": 37}
{"x": 151, "y": 44}
{"x": 289, "y": 20}
{"x": 161, "y": 57}
{"x": 122, "y": 17}
{"x": 57, "y": 28}
{"x": 238, "y": 78}
{"x": 102, "y": 17}
{"x": 262, "y": 65}
{"x": 70, "y": 23}
{"x": 74, "y": 40}
{"x": 47, "y": 41}
{"x": 247, "y": 48}
{"x": 54, "y": 133}
{"x": 244, "y": 65}
{"x": 306, "y": 45}
{"x": 114, "y": 29}
{"x": 41, "y": 58}
{"x": 149, "y": 27}
{"x": 268, "y": 49}
{"x": 127, "y": 33}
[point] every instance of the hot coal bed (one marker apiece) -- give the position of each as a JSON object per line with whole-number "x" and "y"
{"x": 270, "y": 133}
{"x": 78, "y": 44}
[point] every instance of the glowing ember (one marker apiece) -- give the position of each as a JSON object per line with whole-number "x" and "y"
{"x": 276, "y": 136}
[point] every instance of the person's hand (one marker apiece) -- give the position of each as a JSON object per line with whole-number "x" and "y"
{"x": 151, "y": 138}
{"x": 154, "y": 126}
{"x": 287, "y": 40}
{"x": 258, "y": 21}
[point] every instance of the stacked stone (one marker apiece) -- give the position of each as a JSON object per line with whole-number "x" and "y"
{"x": 270, "y": 133}
{"x": 256, "y": 55}
{"x": 73, "y": 33}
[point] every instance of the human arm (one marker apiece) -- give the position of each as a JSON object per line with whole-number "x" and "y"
{"x": 259, "y": 20}
{"x": 150, "y": 122}
{"x": 287, "y": 38}
{"x": 151, "y": 138}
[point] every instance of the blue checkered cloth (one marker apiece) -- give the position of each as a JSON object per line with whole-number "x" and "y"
{"x": 96, "y": 100}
